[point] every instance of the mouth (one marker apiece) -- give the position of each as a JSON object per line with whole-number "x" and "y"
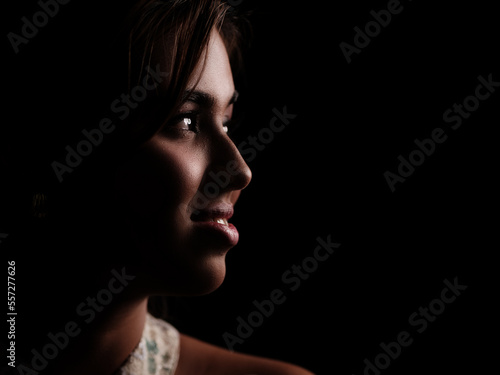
{"x": 219, "y": 213}
{"x": 220, "y": 221}
{"x": 213, "y": 223}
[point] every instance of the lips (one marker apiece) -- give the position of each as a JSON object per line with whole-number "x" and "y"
{"x": 213, "y": 222}
{"x": 219, "y": 213}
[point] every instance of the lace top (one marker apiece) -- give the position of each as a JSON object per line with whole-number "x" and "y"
{"x": 157, "y": 353}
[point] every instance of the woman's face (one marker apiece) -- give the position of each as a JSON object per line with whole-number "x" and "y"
{"x": 182, "y": 184}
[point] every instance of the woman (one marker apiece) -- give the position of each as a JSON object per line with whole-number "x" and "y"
{"x": 142, "y": 204}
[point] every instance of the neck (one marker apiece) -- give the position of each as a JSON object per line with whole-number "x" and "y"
{"x": 106, "y": 342}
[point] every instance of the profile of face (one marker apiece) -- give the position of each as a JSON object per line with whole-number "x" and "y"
{"x": 180, "y": 187}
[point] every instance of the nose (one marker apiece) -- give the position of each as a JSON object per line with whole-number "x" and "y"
{"x": 228, "y": 170}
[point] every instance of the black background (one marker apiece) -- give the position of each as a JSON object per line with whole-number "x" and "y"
{"x": 323, "y": 175}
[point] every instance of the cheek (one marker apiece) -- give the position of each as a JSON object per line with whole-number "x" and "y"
{"x": 163, "y": 175}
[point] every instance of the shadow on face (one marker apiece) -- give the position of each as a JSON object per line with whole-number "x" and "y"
{"x": 180, "y": 187}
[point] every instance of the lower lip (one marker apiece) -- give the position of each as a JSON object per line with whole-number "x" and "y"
{"x": 227, "y": 233}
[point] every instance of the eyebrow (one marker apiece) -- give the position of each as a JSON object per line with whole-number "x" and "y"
{"x": 204, "y": 99}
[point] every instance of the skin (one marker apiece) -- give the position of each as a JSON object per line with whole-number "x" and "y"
{"x": 160, "y": 184}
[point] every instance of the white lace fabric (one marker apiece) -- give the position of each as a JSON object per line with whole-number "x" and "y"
{"x": 158, "y": 351}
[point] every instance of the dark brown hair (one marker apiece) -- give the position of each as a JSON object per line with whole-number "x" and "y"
{"x": 180, "y": 30}
{"x": 104, "y": 59}
{"x": 108, "y": 48}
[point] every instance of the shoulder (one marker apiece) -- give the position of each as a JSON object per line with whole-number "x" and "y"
{"x": 211, "y": 359}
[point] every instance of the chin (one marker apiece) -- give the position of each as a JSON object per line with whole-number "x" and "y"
{"x": 189, "y": 277}
{"x": 205, "y": 277}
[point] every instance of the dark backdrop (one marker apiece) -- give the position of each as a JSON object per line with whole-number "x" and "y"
{"x": 324, "y": 176}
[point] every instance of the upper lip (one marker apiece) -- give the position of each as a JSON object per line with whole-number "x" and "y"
{"x": 214, "y": 211}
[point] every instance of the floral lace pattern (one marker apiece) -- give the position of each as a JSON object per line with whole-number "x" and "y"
{"x": 157, "y": 352}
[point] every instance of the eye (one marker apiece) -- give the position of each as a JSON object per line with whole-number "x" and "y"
{"x": 231, "y": 125}
{"x": 184, "y": 122}
{"x": 228, "y": 125}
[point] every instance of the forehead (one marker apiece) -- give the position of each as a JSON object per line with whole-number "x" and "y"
{"x": 213, "y": 73}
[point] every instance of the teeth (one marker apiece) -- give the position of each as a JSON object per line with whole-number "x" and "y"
{"x": 221, "y": 221}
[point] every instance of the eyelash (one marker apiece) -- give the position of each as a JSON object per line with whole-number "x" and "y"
{"x": 193, "y": 125}
{"x": 174, "y": 126}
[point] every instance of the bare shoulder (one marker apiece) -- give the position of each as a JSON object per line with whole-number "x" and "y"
{"x": 201, "y": 358}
